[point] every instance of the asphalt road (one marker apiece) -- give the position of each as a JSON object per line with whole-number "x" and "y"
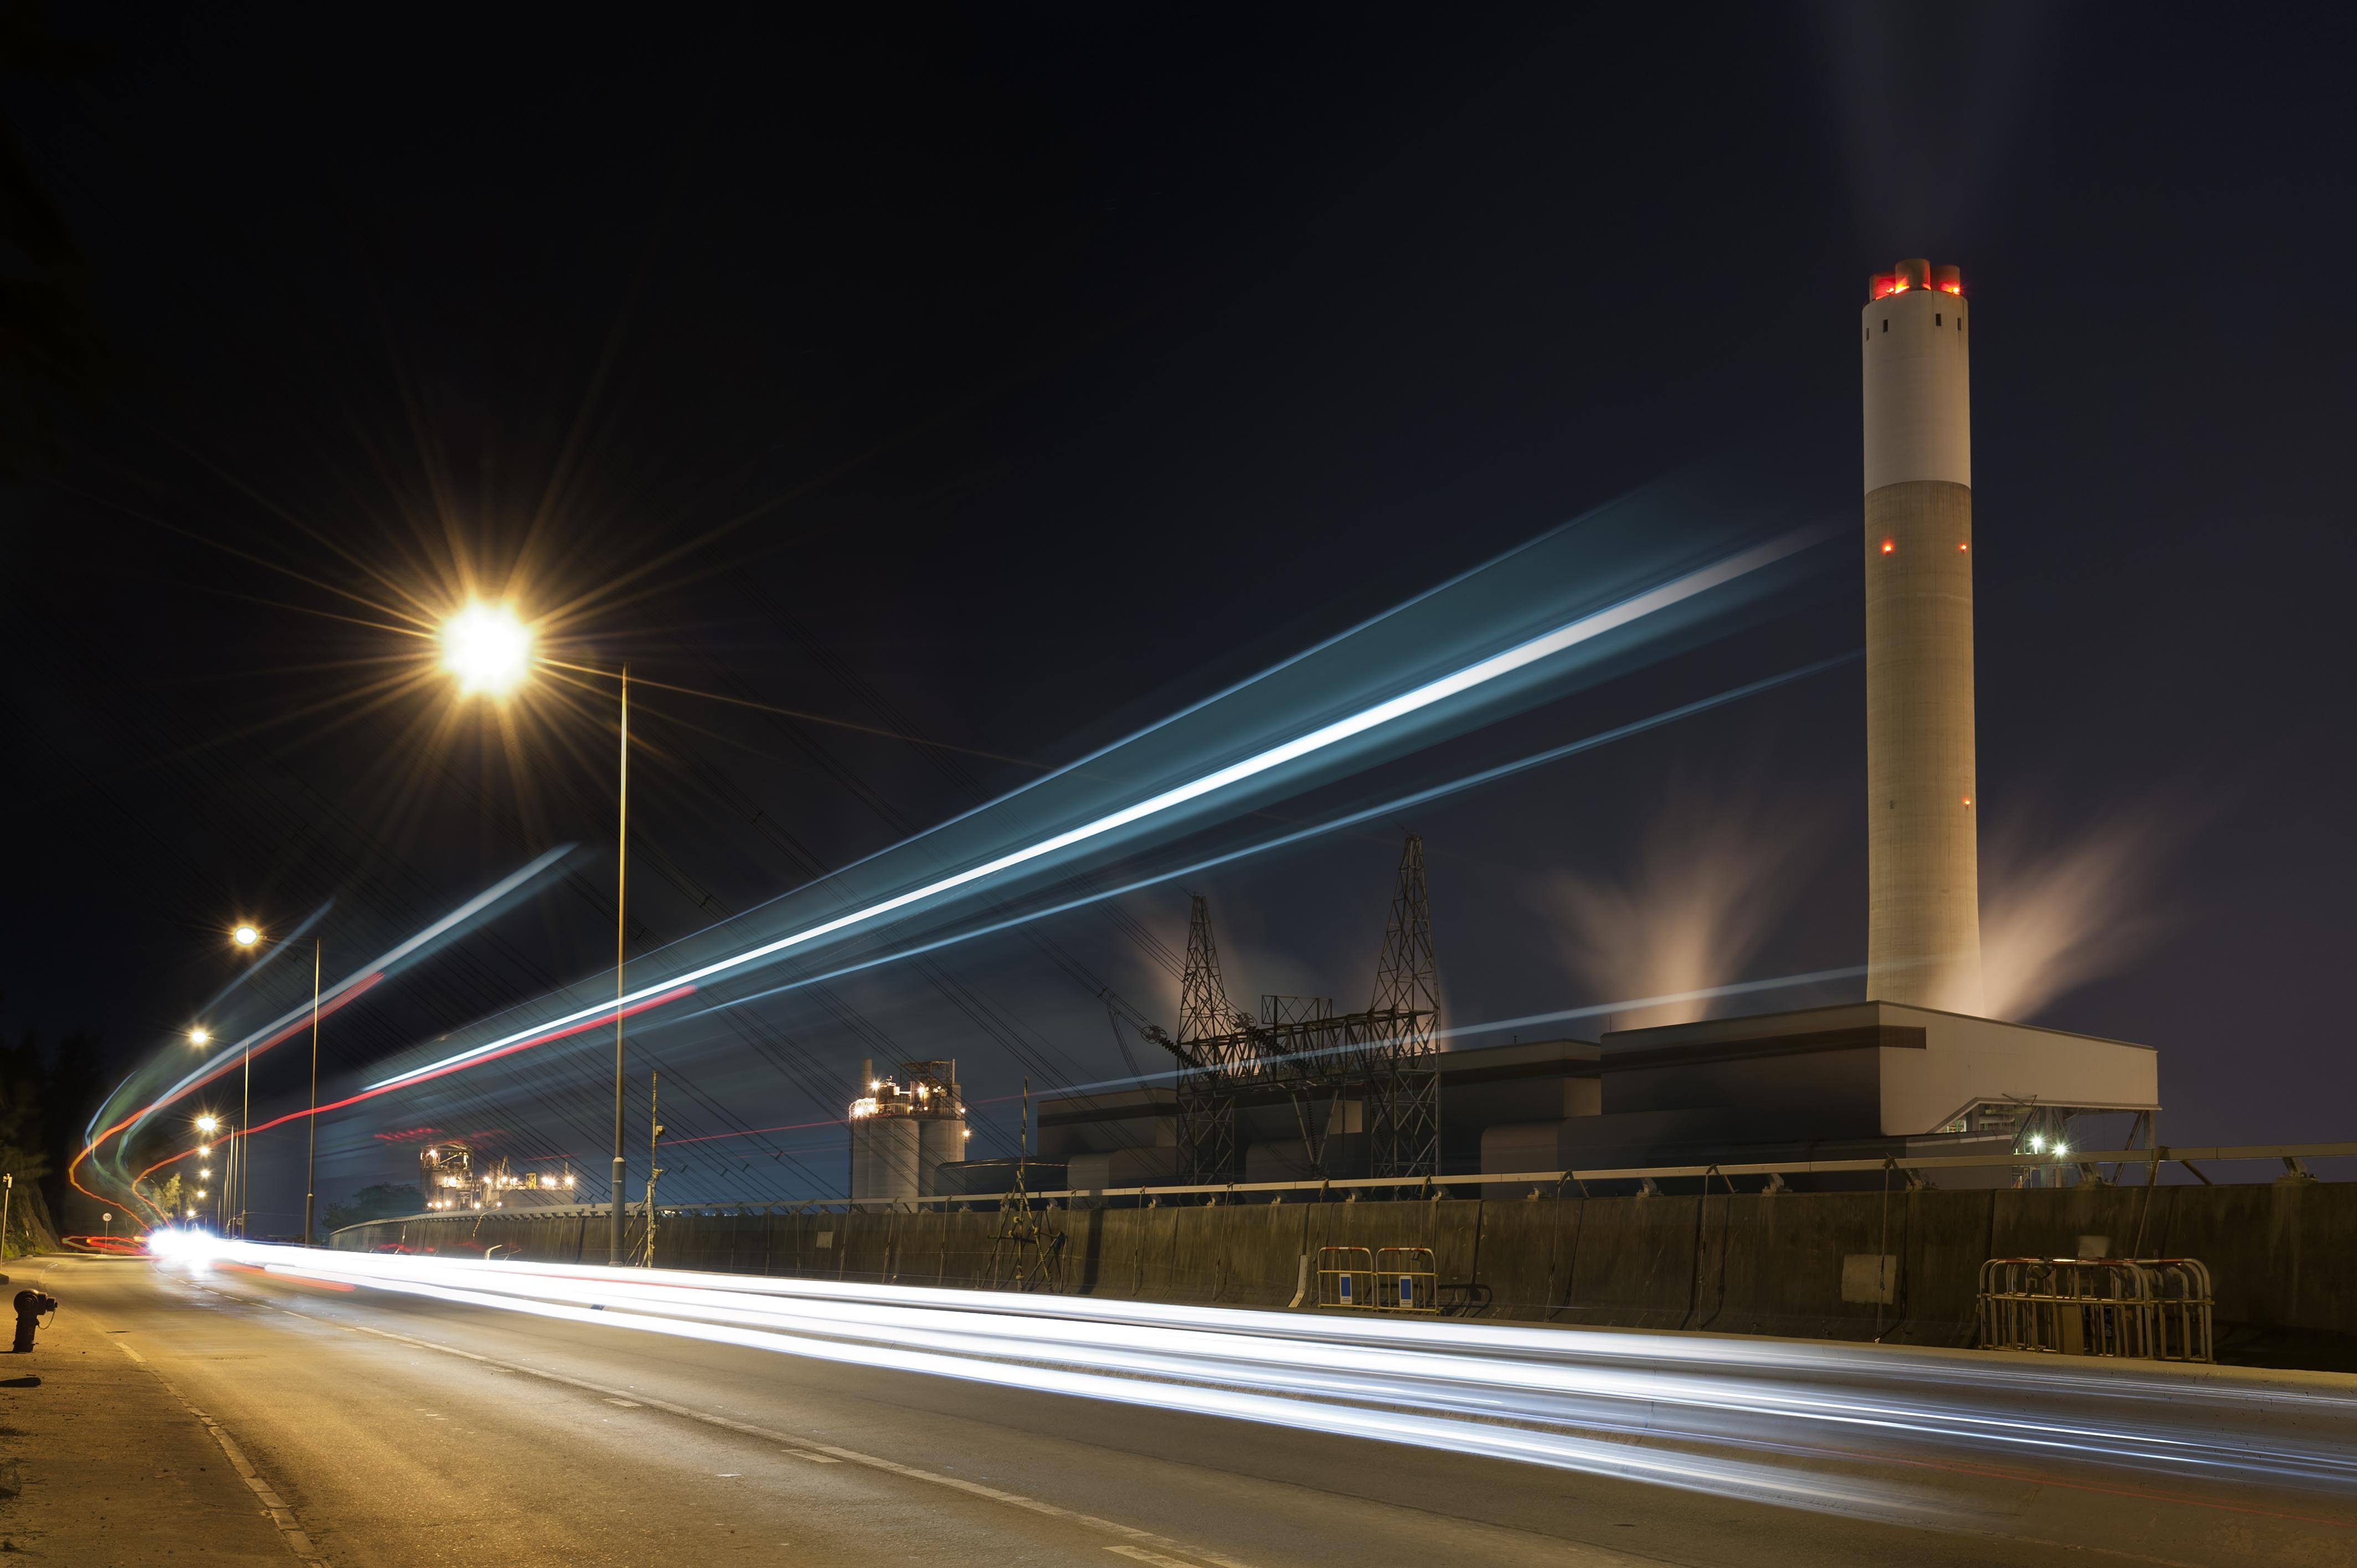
{"x": 407, "y": 1430}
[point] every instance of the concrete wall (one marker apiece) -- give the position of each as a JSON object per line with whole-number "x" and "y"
{"x": 1745, "y": 1263}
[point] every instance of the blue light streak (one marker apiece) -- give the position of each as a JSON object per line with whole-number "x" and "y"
{"x": 1366, "y": 721}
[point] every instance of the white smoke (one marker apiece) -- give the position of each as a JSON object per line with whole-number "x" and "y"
{"x": 1712, "y": 878}
{"x": 2058, "y": 914}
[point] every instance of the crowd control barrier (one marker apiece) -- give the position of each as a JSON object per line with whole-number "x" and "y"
{"x": 1407, "y": 1279}
{"x": 2154, "y": 1309}
{"x": 1346, "y": 1276}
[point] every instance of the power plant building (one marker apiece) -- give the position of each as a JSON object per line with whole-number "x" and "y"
{"x": 1913, "y": 1071}
{"x": 904, "y": 1129}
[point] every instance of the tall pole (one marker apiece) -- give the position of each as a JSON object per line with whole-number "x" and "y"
{"x": 244, "y": 1120}
{"x": 311, "y": 1155}
{"x": 622, "y": 925}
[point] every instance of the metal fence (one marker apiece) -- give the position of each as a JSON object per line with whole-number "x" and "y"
{"x": 2154, "y": 1309}
{"x": 1379, "y": 1279}
{"x": 1407, "y": 1279}
{"x": 1346, "y": 1276}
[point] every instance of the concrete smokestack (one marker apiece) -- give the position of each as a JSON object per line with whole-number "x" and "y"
{"x": 1924, "y": 925}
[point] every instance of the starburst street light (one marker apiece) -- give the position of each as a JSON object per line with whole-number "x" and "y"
{"x": 245, "y": 936}
{"x": 207, "y": 1123}
{"x": 488, "y": 648}
{"x": 200, "y": 1035}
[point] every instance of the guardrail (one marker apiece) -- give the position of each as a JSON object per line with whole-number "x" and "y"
{"x": 2291, "y": 1155}
{"x": 2154, "y": 1309}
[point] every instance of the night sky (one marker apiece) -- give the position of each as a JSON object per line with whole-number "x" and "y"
{"x": 1002, "y": 377}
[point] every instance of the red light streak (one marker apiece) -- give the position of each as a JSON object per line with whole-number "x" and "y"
{"x": 229, "y": 1060}
{"x": 673, "y": 994}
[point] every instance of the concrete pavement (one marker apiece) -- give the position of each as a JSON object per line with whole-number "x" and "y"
{"x": 401, "y": 1430}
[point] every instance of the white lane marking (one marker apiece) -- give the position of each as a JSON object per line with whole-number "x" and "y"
{"x": 813, "y": 1458}
{"x": 290, "y": 1528}
{"x": 874, "y": 1462}
{"x": 1140, "y": 1554}
{"x": 626, "y": 1404}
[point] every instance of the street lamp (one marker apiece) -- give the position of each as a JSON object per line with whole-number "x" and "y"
{"x": 218, "y": 1129}
{"x": 247, "y": 935}
{"x": 200, "y": 1035}
{"x": 489, "y": 651}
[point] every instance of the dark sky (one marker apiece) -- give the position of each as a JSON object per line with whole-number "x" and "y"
{"x": 994, "y": 374}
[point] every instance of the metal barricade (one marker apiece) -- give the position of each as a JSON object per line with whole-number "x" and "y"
{"x": 1407, "y": 1279}
{"x": 1346, "y": 1276}
{"x": 2154, "y": 1309}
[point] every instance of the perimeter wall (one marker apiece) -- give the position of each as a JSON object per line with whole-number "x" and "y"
{"x": 2283, "y": 1256}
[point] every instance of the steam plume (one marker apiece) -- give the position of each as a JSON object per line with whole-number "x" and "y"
{"x": 2057, "y": 915}
{"x": 1710, "y": 882}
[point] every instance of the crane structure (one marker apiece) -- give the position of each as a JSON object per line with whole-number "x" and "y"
{"x": 1385, "y": 1058}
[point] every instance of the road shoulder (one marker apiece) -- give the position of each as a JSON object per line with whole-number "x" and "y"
{"x": 102, "y": 1461}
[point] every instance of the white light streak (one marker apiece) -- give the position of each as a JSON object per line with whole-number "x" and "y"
{"x": 1585, "y": 629}
{"x": 1764, "y": 1419}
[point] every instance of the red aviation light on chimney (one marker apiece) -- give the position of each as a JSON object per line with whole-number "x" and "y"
{"x": 1911, "y": 274}
{"x": 1888, "y": 545}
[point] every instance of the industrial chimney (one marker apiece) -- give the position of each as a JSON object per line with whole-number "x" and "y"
{"x": 1923, "y": 930}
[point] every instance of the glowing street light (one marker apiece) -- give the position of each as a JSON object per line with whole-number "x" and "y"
{"x": 247, "y": 935}
{"x": 207, "y": 1124}
{"x": 200, "y": 1035}
{"x": 488, "y": 648}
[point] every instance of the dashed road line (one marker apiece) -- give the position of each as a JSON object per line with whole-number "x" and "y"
{"x": 1130, "y": 1534}
{"x": 1139, "y": 1555}
{"x": 290, "y": 1528}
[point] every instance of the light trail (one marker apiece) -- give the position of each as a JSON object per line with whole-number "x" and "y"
{"x": 1586, "y": 628}
{"x": 1754, "y": 1418}
{"x": 293, "y": 1021}
{"x": 229, "y": 1136}
{"x": 1335, "y": 824}
{"x": 1352, "y": 819}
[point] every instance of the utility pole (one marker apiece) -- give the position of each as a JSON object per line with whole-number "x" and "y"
{"x": 311, "y": 1156}
{"x": 654, "y": 1141}
{"x": 621, "y": 927}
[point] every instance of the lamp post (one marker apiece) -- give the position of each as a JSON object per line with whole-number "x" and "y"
{"x": 211, "y": 1127}
{"x": 249, "y": 936}
{"x": 489, "y": 651}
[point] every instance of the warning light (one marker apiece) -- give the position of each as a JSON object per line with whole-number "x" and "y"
{"x": 1968, "y": 802}
{"x": 1887, "y": 546}
{"x": 1964, "y": 544}
{"x": 1951, "y": 288}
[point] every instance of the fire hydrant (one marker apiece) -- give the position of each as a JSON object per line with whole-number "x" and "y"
{"x": 32, "y": 1305}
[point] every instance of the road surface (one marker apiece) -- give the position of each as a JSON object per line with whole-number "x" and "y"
{"x": 408, "y": 1429}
